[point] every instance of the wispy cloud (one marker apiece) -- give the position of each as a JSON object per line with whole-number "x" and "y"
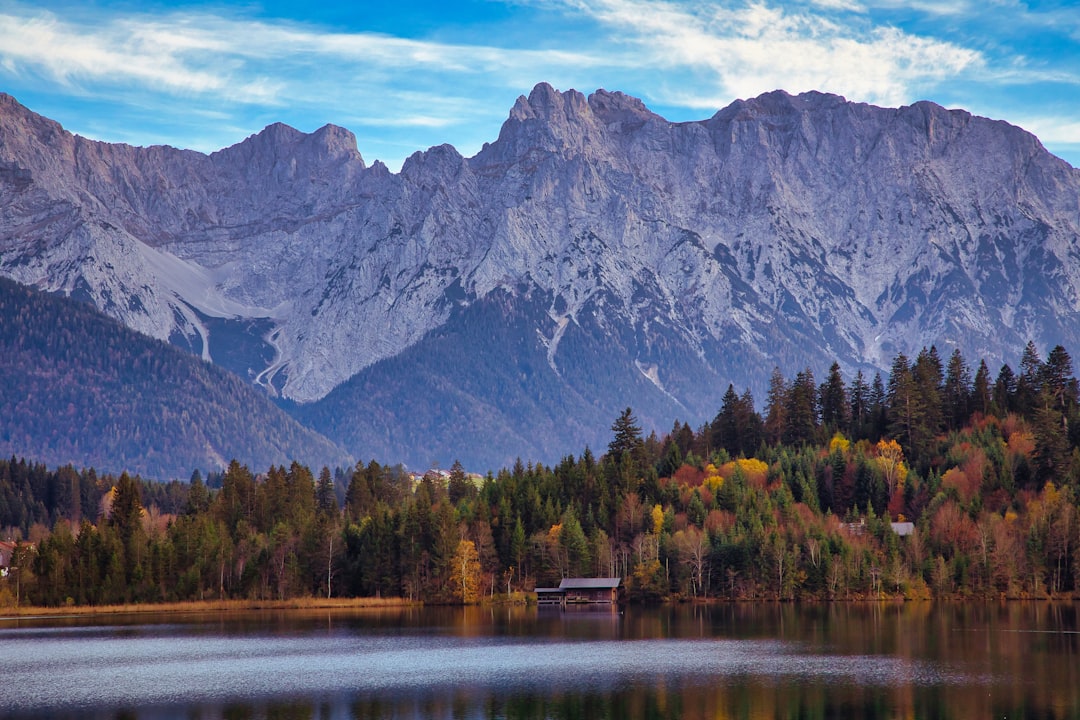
{"x": 1052, "y": 130}
{"x": 167, "y": 73}
{"x": 746, "y": 49}
{"x": 120, "y": 52}
{"x": 255, "y": 71}
{"x": 846, "y": 5}
{"x": 243, "y": 59}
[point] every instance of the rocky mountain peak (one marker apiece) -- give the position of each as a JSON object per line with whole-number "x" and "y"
{"x": 279, "y": 140}
{"x": 442, "y": 161}
{"x": 781, "y": 105}
{"x": 334, "y": 142}
{"x": 548, "y": 104}
{"x": 563, "y": 124}
{"x": 620, "y": 112}
{"x": 639, "y": 260}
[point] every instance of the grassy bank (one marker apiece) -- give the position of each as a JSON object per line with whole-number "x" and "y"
{"x": 211, "y": 606}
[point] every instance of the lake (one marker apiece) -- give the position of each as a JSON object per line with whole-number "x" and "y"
{"x": 916, "y": 660}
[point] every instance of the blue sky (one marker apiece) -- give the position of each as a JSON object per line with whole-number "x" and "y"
{"x": 406, "y": 75}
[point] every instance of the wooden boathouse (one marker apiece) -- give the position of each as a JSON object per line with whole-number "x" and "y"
{"x": 580, "y": 591}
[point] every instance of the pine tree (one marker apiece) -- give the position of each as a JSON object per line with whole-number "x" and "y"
{"x": 574, "y": 543}
{"x": 198, "y": 497}
{"x": 1005, "y": 390}
{"x": 802, "y": 416}
{"x": 725, "y": 428}
{"x": 126, "y": 514}
{"x": 625, "y": 452}
{"x": 325, "y": 499}
{"x": 751, "y": 428}
{"x": 905, "y": 410}
{"x": 737, "y": 429}
{"x": 860, "y": 407}
{"x": 776, "y": 407}
{"x": 956, "y": 393}
{"x": 1058, "y": 385}
{"x": 982, "y": 398}
{"x": 126, "y": 521}
{"x": 878, "y": 408}
{"x": 1029, "y": 384}
{"x": 929, "y": 379}
{"x": 459, "y": 487}
{"x": 834, "y": 401}
{"x": 627, "y": 437}
{"x": 1055, "y": 403}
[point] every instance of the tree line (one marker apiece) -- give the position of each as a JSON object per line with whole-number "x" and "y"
{"x": 809, "y": 498}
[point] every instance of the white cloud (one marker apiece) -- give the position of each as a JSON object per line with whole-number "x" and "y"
{"x": 1052, "y": 130}
{"x": 755, "y": 47}
{"x": 844, "y": 5}
{"x": 681, "y": 56}
{"x": 935, "y": 8}
{"x": 240, "y": 59}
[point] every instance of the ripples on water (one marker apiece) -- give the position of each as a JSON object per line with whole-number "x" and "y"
{"x": 200, "y": 670}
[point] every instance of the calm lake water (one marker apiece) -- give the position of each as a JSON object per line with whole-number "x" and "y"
{"x": 739, "y": 661}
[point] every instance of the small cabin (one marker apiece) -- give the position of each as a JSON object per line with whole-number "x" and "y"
{"x": 577, "y": 591}
{"x": 549, "y": 596}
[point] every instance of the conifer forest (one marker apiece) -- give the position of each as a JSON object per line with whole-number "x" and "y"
{"x": 942, "y": 479}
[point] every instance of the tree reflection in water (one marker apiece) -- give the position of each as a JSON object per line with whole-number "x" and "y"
{"x": 914, "y": 660}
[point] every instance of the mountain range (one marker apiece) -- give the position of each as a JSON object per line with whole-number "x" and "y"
{"x": 593, "y": 256}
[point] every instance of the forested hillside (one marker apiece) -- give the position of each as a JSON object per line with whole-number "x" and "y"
{"x": 78, "y": 387}
{"x": 798, "y": 501}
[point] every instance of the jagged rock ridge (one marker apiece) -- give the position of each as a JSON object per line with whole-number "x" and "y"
{"x": 666, "y": 258}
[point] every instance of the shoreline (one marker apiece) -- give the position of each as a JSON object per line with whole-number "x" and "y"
{"x": 209, "y": 606}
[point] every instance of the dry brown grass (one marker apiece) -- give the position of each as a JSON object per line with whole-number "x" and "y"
{"x": 214, "y": 606}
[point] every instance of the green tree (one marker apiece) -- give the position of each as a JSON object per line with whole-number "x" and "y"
{"x": 776, "y": 403}
{"x": 627, "y": 437}
{"x": 834, "y": 401}
{"x": 1005, "y": 390}
{"x": 1029, "y": 384}
{"x": 198, "y": 500}
{"x": 801, "y": 410}
{"x": 325, "y": 498}
{"x": 575, "y": 545}
{"x": 957, "y": 393}
{"x": 982, "y": 397}
{"x": 459, "y": 486}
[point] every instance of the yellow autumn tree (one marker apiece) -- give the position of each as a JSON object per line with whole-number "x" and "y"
{"x": 657, "y": 519}
{"x": 467, "y": 573}
{"x": 839, "y": 443}
{"x": 713, "y": 479}
{"x": 754, "y": 471}
{"x": 891, "y": 462}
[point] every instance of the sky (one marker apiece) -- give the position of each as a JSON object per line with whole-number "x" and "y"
{"x": 410, "y": 74}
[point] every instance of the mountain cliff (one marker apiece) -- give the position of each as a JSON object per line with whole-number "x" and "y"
{"x": 594, "y": 255}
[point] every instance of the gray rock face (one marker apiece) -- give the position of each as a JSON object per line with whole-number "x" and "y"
{"x": 782, "y": 231}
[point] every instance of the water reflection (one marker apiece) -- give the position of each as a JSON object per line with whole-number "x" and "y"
{"x": 737, "y": 661}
